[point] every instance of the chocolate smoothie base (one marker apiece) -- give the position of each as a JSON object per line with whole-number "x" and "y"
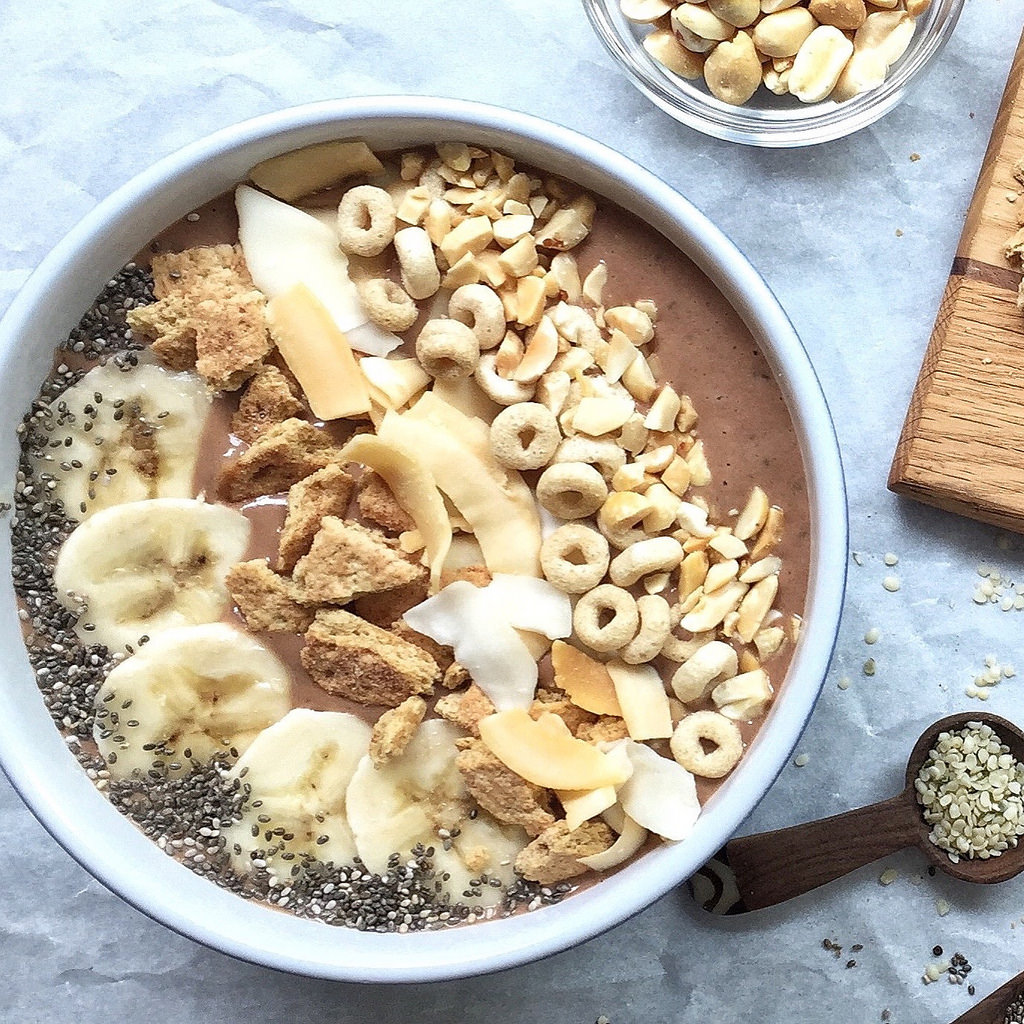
{"x": 702, "y": 348}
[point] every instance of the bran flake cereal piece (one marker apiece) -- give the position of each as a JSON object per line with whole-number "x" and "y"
{"x": 606, "y": 729}
{"x": 347, "y": 560}
{"x": 324, "y": 493}
{"x": 478, "y": 575}
{"x": 180, "y": 273}
{"x": 465, "y": 709}
{"x": 574, "y": 716}
{"x": 444, "y": 656}
{"x": 393, "y": 730}
{"x": 554, "y": 855}
{"x": 503, "y": 793}
{"x": 349, "y": 657}
{"x": 267, "y": 400}
{"x": 378, "y": 505}
{"x": 283, "y": 455}
{"x": 385, "y": 609}
{"x": 456, "y": 676}
{"x": 269, "y": 603}
{"x": 206, "y": 305}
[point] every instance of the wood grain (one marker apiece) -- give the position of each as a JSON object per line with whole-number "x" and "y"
{"x": 962, "y": 444}
{"x": 776, "y": 866}
{"x": 992, "y": 1009}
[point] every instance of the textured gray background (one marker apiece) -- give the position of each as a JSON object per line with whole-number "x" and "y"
{"x": 95, "y": 92}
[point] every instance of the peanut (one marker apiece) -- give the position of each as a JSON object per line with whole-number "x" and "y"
{"x": 738, "y": 45}
{"x": 700, "y": 20}
{"x": 733, "y": 71}
{"x": 845, "y": 14}
{"x": 782, "y": 34}
{"x": 886, "y": 32}
{"x": 819, "y": 63}
{"x": 740, "y": 13}
{"x": 666, "y": 49}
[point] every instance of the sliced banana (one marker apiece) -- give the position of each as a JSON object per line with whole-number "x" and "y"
{"x": 123, "y": 436}
{"x": 149, "y": 566}
{"x": 415, "y": 796}
{"x": 187, "y": 694}
{"x": 299, "y": 770}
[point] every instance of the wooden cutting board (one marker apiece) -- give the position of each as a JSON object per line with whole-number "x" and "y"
{"x": 962, "y": 445}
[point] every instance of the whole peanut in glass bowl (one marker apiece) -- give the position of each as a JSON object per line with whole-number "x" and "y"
{"x": 757, "y": 116}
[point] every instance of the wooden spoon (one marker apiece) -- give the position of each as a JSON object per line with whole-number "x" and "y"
{"x": 992, "y": 1009}
{"x": 776, "y": 866}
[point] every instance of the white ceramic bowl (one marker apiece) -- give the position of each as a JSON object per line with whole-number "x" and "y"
{"x": 33, "y": 753}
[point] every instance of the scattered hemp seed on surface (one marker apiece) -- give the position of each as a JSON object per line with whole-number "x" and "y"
{"x": 844, "y": 683}
{"x": 888, "y": 876}
{"x": 869, "y": 667}
{"x": 800, "y": 760}
{"x": 891, "y": 559}
{"x": 891, "y": 583}
{"x": 872, "y": 636}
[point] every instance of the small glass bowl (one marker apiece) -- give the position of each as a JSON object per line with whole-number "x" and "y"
{"x": 775, "y": 122}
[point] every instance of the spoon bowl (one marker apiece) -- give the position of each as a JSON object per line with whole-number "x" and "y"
{"x": 776, "y": 866}
{"x": 991, "y": 869}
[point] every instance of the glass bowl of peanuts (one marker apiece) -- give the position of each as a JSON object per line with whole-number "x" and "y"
{"x": 774, "y": 73}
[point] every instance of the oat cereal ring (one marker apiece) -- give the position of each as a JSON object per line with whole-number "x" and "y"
{"x": 420, "y": 275}
{"x": 481, "y": 309}
{"x": 388, "y": 304}
{"x": 654, "y": 554}
{"x": 497, "y": 388}
{"x": 606, "y": 455}
{"x": 655, "y": 623}
{"x": 677, "y": 649}
{"x": 524, "y": 436}
{"x": 366, "y": 221}
{"x": 446, "y": 348}
{"x": 594, "y": 606}
{"x": 712, "y": 728}
{"x": 574, "y": 558}
{"x": 571, "y": 490}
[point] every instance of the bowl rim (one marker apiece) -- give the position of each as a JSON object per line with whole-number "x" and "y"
{"x": 804, "y": 125}
{"x": 32, "y": 752}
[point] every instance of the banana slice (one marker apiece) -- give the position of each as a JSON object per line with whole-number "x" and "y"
{"x": 415, "y": 796}
{"x": 299, "y": 770}
{"x": 125, "y": 436}
{"x": 188, "y": 693}
{"x": 149, "y": 566}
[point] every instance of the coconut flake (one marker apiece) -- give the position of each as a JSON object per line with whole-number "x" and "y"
{"x": 631, "y": 838}
{"x": 660, "y": 795}
{"x": 462, "y": 617}
{"x": 529, "y": 603}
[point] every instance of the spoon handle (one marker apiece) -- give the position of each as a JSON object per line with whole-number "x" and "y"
{"x": 776, "y": 866}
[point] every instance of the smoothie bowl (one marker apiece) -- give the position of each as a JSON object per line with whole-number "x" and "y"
{"x": 428, "y": 542}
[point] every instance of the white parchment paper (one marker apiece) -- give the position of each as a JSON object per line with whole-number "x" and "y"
{"x": 855, "y": 237}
